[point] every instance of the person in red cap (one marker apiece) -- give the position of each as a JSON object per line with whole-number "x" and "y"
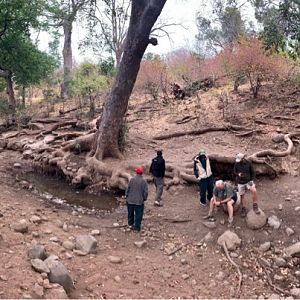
{"x": 136, "y": 194}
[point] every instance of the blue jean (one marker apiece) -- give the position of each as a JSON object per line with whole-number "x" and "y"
{"x": 135, "y": 215}
{"x": 206, "y": 185}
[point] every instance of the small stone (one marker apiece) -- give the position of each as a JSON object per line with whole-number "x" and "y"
{"x": 265, "y": 247}
{"x": 185, "y": 276}
{"x": 56, "y": 292}
{"x": 37, "y": 251}
{"x": 297, "y": 274}
{"x": 114, "y": 259}
{"x": 289, "y": 231}
{"x": 231, "y": 240}
{"x": 184, "y": 261}
{"x": 39, "y": 266}
{"x": 86, "y": 244}
{"x": 208, "y": 237}
{"x": 25, "y": 185}
{"x": 20, "y": 226}
{"x": 280, "y": 262}
{"x": 54, "y": 239}
{"x": 278, "y": 277}
{"x": 274, "y": 296}
{"x": 95, "y": 232}
{"x": 117, "y": 278}
{"x": 65, "y": 227}
{"x": 3, "y": 278}
{"x": 210, "y": 225}
{"x": 274, "y": 222}
{"x": 293, "y": 250}
{"x": 38, "y": 291}
{"x": 17, "y": 165}
{"x": 280, "y": 207}
{"x": 140, "y": 244}
{"x": 116, "y": 224}
{"x": 265, "y": 262}
{"x": 26, "y": 296}
{"x": 234, "y": 255}
{"x": 288, "y": 199}
{"x": 69, "y": 245}
{"x": 295, "y": 292}
{"x": 68, "y": 255}
{"x": 46, "y": 284}
{"x": 221, "y": 276}
{"x": 297, "y": 208}
{"x": 35, "y": 219}
{"x": 35, "y": 234}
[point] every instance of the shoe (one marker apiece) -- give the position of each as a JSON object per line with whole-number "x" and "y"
{"x": 230, "y": 222}
{"x": 203, "y": 204}
{"x": 136, "y": 230}
{"x": 244, "y": 212}
{"x": 256, "y": 209}
{"x": 156, "y": 203}
{"x": 212, "y": 219}
{"x": 206, "y": 217}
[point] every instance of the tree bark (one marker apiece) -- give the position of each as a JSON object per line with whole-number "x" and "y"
{"x": 67, "y": 57}
{"x": 23, "y": 96}
{"x": 10, "y": 90}
{"x": 144, "y": 13}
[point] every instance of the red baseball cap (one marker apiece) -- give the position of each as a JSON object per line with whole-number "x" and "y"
{"x": 139, "y": 170}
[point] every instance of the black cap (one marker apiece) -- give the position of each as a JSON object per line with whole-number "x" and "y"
{"x": 159, "y": 152}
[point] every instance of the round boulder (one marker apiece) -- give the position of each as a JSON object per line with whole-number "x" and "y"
{"x": 255, "y": 221}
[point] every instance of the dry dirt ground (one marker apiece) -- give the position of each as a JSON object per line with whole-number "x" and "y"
{"x": 198, "y": 268}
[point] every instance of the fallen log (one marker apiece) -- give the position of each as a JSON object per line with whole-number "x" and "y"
{"x": 251, "y": 132}
{"x": 283, "y": 118}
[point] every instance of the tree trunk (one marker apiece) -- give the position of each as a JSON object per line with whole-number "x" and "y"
{"x": 144, "y": 14}
{"x": 23, "y": 96}
{"x": 10, "y": 92}
{"x": 67, "y": 58}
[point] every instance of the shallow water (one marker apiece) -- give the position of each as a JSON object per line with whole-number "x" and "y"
{"x": 60, "y": 191}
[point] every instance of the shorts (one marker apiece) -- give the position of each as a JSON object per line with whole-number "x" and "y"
{"x": 242, "y": 188}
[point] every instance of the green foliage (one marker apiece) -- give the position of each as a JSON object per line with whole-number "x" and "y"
{"x": 2, "y": 85}
{"x": 281, "y": 23}
{"x": 4, "y": 109}
{"x": 107, "y": 67}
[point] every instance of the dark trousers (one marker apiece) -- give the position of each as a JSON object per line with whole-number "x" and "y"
{"x": 135, "y": 215}
{"x": 206, "y": 185}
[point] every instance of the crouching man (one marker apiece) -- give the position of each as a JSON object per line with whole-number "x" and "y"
{"x": 223, "y": 194}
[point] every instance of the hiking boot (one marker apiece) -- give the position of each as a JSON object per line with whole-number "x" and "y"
{"x": 203, "y": 204}
{"x": 230, "y": 222}
{"x": 156, "y": 203}
{"x": 244, "y": 212}
{"x": 207, "y": 217}
{"x": 211, "y": 219}
{"x": 256, "y": 209}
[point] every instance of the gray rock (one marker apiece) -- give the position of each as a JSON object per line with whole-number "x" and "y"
{"x": 295, "y": 292}
{"x": 56, "y": 292}
{"x": 17, "y": 166}
{"x": 140, "y": 244}
{"x": 297, "y": 208}
{"x": 54, "y": 239}
{"x": 255, "y": 221}
{"x": 3, "y": 143}
{"x": 234, "y": 255}
{"x": 51, "y": 260}
{"x": 289, "y": 231}
{"x": 231, "y": 239}
{"x": 264, "y": 247}
{"x": 114, "y": 259}
{"x": 95, "y": 232}
{"x": 278, "y": 137}
{"x": 69, "y": 245}
{"x": 274, "y": 222}
{"x": 27, "y": 154}
{"x": 59, "y": 274}
{"x": 185, "y": 276}
{"x": 278, "y": 277}
{"x": 20, "y": 226}
{"x": 86, "y": 243}
{"x": 297, "y": 274}
{"x": 25, "y": 185}
{"x": 210, "y": 225}
{"x": 39, "y": 266}
{"x": 184, "y": 261}
{"x": 280, "y": 262}
{"x": 38, "y": 291}
{"x": 117, "y": 278}
{"x": 274, "y": 296}
{"x": 265, "y": 262}
{"x": 208, "y": 237}
{"x": 221, "y": 276}
{"x": 37, "y": 251}
{"x": 293, "y": 250}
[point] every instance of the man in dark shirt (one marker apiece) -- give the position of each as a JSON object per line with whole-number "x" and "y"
{"x": 136, "y": 195}
{"x": 223, "y": 194}
{"x": 244, "y": 173}
{"x": 157, "y": 169}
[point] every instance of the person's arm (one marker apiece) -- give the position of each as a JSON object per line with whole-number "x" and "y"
{"x": 196, "y": 170}
{"x": 252, "y": 172}
{"x": 229, "y": 193}
{"x": 128, "y": 189}
{"x": 145, "y": 191}
{"x": 225, "y": 200}
{"x": 163, "y": 168}
{"x": 151, "y": 167}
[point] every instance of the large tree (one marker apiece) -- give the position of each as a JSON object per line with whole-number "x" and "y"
{"x": 20, "y": 60}
{"x": 144, "y": 14}
{"x": 61, "y": 14}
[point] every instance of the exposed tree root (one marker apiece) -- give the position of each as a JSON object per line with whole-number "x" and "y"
{"x": 238, "y": 290}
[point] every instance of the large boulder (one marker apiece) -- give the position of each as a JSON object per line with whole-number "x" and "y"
{"x": 86, "y": 244}
{"x": 37, "y": 251}
{"x": 255, "y": 221}
{"x": 231, "y": 239}
{"x": 39, "y": 266}
{"x": 293, "y": 250}
{"x": 60, "y": 274}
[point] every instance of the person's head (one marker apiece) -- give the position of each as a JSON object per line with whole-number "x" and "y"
{"x": 240, "y": 157}
{"x": 159, "y": 152}
{"x": 220, "y": 184}
{"x": 139, "y": 170}
{"x": 202, "y": 153}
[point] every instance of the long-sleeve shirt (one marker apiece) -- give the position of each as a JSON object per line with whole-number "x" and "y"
{"x": 137, "y": 190}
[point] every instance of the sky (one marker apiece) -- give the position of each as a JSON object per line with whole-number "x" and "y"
{"x": 175, "y": 11}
